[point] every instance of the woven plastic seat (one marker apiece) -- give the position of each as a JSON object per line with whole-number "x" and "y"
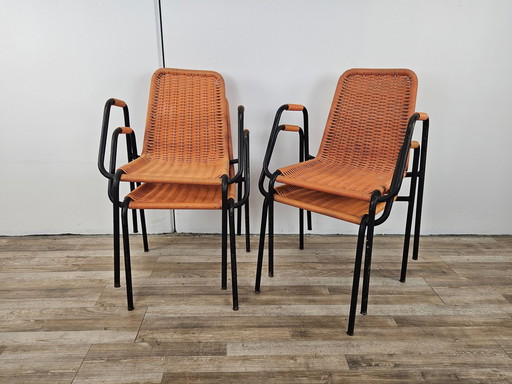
{"x": 363, "y": 136}
{"x": 180, "y": 145}
{"x": 186, "y": 161}
{"x": 181, "y": 172}
{"x": 176, "y": 196}
{"x": 339, "y": 207}
{"x": 358, "y": 172}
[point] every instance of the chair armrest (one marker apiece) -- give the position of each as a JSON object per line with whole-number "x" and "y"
{"x": 245, "y": 166}
{"x": 295, "y": 107}
{"x": 241, "y": 133}
{"x": 104, "y": 131}
{"x": 276, "y": 129}
{"x": 401, "y": 164}
{"x": 131, "y": 147}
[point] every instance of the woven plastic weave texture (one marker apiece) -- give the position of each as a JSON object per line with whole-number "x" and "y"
{"x": 176, "y": 196}
{"x": 364, "y": 133}
{"x": 187, "y": 137}
{"x": 339, "y": 207}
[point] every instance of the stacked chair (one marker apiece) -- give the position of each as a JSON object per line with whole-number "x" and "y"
{"x": 186, "y": 162}
{"x": 358, "y": 172}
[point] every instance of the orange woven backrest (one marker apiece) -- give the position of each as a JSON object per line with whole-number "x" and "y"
{"x": 368, "y": 118}
{"x": 188, "y": 117}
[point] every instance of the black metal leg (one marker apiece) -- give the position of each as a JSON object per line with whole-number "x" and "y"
{"x": 134, "y": 212}
{"x": 117, "y": 251}
{"x": 247, "y": 229}
{"x": 126, "y": 247}
{"x": 367, "y": 266}
{"x": 357, "y": 274}
{"x": 301, "y": 229}
{"x": 310, "y": 221}
{"x": 410, "y": 212}
{"x": 421, "y": 185}
{"x": 224, "y": 278}
{"x": 234, "y": 282}
{"x": 239, "y": 210}
{"x": 261, "y": 247}
{"x": 271, "y": 235}
{"x": 417, "y": 227}
{"x": 144, "y": 230}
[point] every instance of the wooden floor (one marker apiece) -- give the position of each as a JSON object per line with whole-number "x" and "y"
{"x": 62, "y": 321}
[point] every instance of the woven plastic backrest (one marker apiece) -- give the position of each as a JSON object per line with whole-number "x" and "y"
{"x": 368, "y": 118}
{"x": 188, "y": 117}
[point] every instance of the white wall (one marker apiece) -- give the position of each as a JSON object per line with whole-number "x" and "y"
{"x": 62, "y": 59}
{"x": 293, "y": 51}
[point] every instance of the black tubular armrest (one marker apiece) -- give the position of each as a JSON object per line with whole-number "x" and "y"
{"x": 401, "y": 164}
{"x": 131, "y": 145}
{"x": 245, "y": 165}
{"x": 241, "y": 143}
{"x": 396, "y": 182}
{"x": 276, "y": 129}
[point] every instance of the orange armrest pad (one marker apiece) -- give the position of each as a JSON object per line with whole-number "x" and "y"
{"x": 126, "y": 130}
{"x": 295, "y": 107}
{"x": 291, "y": 128}
{"x": 119, "y": 103}
{"x": 423, "y": 116}
{"x": 415, "y": 144}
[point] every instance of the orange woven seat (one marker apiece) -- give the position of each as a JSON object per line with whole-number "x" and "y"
{"x": 333, "y": 178}
{"x": 186, "y": 162}
{"x": 358, "y": 171}
{"x": 164, "y": 171}
{"x": 363, "y": 136}
{"x": 174, "y": 196}
{"x": 187, "y": 138}
{"x": 339, "y": 207}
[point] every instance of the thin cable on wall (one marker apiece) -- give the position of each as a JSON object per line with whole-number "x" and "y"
{"x": 173, "y": 213}
{"x": 161, "y": 32}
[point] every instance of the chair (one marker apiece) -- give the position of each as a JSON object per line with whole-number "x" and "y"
{"x": 186, "y": 161}
{"x": 358, "y": 172}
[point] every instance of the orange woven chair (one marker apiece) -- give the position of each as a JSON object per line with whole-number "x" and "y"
{"x": 358, "y": 172}
{"x": 186, "y": 161}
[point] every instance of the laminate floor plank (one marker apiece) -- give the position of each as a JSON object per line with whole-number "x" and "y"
{"x": 62, "y": 321}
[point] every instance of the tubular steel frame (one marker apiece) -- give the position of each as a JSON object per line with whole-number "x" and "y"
{"x": 241, "y": 178}
{"x": 368, "y": 221}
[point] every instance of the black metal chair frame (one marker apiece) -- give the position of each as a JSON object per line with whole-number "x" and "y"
{"x": 228, "y": 207}
{"x": 241, "y": 178}
{"x": 368, "y": 222}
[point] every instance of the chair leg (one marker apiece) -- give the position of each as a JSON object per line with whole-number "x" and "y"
{"x": 225, "y": 207}
{"x": 419, "y": 204}
{"x": 261, "y": 247}
{"x": 117, "y": 250}
{"x": 126, "y": 247}
{"x": 232, "y": 242}
{"x": 301, "y": 229}
{"x": 117, "y": 267}
{"x": 410, "y": 212}
{"x": 271, "y": 235}
{"x": 357, "y": 274}
{"x": 239, "y": 210}
{"x": 417, "y": 227}
{"x": 247, "y": 229}
{"x": 134, "y": 212}
{"x": 407, "y": 238}
{"x": 367, "y": 267}
{"x": 224, "y": 278}
{"x": 144, "y": 230}
{"x": 310, "y": 222}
